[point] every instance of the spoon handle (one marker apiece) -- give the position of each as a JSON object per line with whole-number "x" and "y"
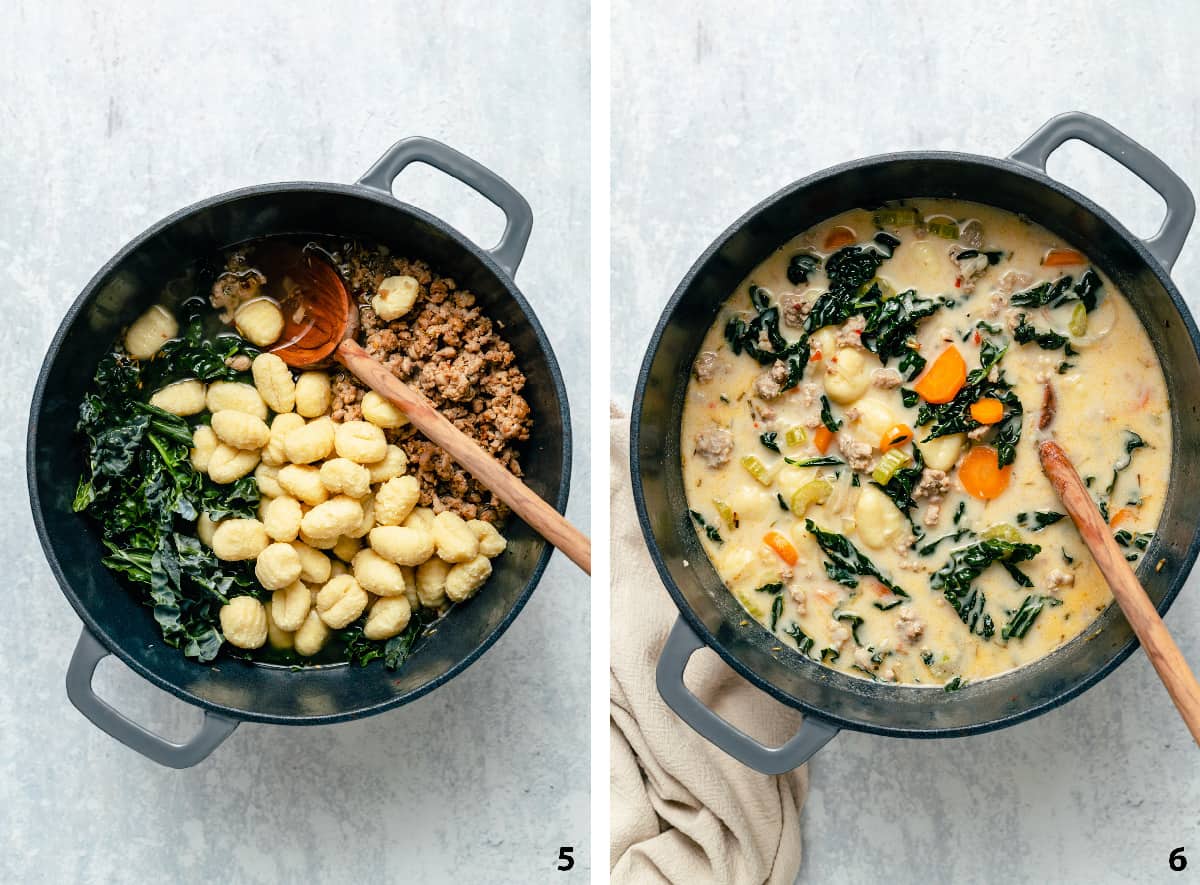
{"x": 547, "y": 521}
{"x": 1164, "y": 654}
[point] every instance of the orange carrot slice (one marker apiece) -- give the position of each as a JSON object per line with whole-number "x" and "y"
{"x": 987, "y": 410}
{"x": 822, "y": 438}
{"x": 944, "y": 377}
{"x": 782, "y": 546}
{"x": 1063, "y": 258}
{"x": 838, "y": 237}
{"x": 896, "y": 436}
{"x": 981, "y": 474}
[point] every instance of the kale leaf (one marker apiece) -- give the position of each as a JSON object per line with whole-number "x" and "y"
{"x": 1022, "y": 619}
{"x": 845, "y": 560}
{"x": 966, "y": 564}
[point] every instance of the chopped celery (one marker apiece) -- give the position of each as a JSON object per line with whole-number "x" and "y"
{"x": 1003, "y": 531}
{"x": 757, "y": 469}
{"x": 726, "y": 513}
{"x": 816, "y": 491}
{"x": 947, "y": 228}
{"x": 892, "y": 461}
{"x": 1078, "y": 324}
{"x": 898, "y": 217}
{"x": 796, "y": 436}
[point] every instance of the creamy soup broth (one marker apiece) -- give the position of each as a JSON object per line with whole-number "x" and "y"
{"x": 982, "y": 573}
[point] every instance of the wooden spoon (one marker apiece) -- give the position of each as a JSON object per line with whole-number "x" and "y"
{"x": 320, "y": 321}
{"x": 1164, "y": 654}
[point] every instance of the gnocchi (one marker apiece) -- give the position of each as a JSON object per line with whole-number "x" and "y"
{"x": 465, "y": 578}
{"x": 332, "y": 518}
{"x": 396, "y": 297}
{"x": 290, "y": 606}
{"x": 183, "y": 398}
{"x": 275, "y": 452}
{"x": 149, "y": 332}
{"x": 360, "y": 441}
{"x": 313, "y": 394}
{"x": 491, "y": 542}
{"x": 343, "y": 476}
{"x": 303, "y": 482}
{"x": 260, "y": 322}
{"x": 235, "y": 540}
{"x": 382, "y": 413}
{"x": 273, "y": 381}
{"x": 395, "y": 500}
{"x": 846, "y": 376}
{"x": 377, "y": 575}
{"x": 244, "y": 622}
{"x": 277, "y": 566}
{"x": 401, "y": 544}
{"x": 454, "y": 539}
{"x": 310, "y": 443}
{"x": 204, "y": 443}
{"x": 223, "y": 395}
{"x": 281, "y": 518}
{"x": 240, "y": 430}
{"x": 312, "y": 636}
{"x": 227, "y": 464}
{"x": 393, "y": 464}
{"x": 389, "y": 617}
{"x": 341, "y": 601}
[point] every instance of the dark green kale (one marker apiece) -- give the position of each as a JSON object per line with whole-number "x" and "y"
{"x": 855, "y": 621}
{"x": 145, "y": 496}
{"x": 394, "y": 651}
{"x": 845, "y": 561}
{"x": 770, "y": 440}
{"x": 804, "y": 642}
{"x": 800, "y": 266}
{"x": 1025, "y": 332}
{"x": 776, "y": 611}
{"x": 831, "y": 424}
{"x": 900, "y": 488}
{"x": 710, "y": 530}
{"x": 1022, "y": 619}
{"x": 823, "y": 461}
{"x": 966, "y": 564}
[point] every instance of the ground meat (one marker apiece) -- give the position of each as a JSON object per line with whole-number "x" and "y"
{"x": 801, "y": 599}
{"x": 888, "y": 379}
{"x": 997, "y": 301}
{"x": 770, "y": 383}
{"x": 909, "y": 626}
{"x": 933, "y": 513}
{"x": 1059, "y": 578}
{"x": 808, "y": 393}
{"x": 933, "y": 484}
{"x": 839, "y": 636}
{"x": 970, "y": 269}
{"x": 239, "y": 363}
{"x": 850, "y": 334}
{"x": 705, "y": 366}
{"x": 714, "y": 446}
{"x": 795, "y": 309}
{"x": 1012, "y": 280}
{"x": 857, "y": 454}
{"x": 452, "y": 352}
{"x": 978, "y": 433}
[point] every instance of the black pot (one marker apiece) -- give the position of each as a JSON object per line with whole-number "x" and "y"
{"x": 114, "y": 621}
{"x": 709, "y": 615}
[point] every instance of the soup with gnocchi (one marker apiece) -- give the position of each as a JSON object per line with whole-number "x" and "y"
{"x": 859, "y": 440}
{"x": 287, "y": 517}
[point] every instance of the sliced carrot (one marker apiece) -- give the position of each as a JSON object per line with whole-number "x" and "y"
{"x": 896, "y": 436}
{"x": 1063, "y": 258}
{"x": 944, "y": 377}
{"x": 981, "y": 474}
{"x": 822, "y": 438}
{"x": 838, "y": 237}
{"x": 1120, "y": 516}
{"x": 987, "y": 410}
{"x": 782, "y": 546}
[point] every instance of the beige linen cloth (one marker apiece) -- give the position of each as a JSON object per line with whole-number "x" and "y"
{"x": 683, "y": 811}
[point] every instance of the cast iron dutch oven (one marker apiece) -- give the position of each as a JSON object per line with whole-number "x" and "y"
{"x": 114, "y": 621}
{"x": 709, "y": 615}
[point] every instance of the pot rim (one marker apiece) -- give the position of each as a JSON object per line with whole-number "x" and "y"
{"x": 1185, "y": 564}
{"x": 355, "y": 191}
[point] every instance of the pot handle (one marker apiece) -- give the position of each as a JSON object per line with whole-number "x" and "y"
{"x": 213, "y": 731}
{"x": 518, "y": 217}
{"x": 681, "y": 645}
{"x": 1181, "y": 206}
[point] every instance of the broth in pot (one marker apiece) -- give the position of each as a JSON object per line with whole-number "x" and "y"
{"x": 859, "y": 440}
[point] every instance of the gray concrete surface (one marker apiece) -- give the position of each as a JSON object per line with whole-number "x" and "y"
{"x": 713, "y": 111}
{"x": 114, "y": 115}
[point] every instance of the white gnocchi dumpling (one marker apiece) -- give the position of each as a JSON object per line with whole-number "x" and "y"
{"x": 332, "y": 519}
{"x": 341, "y": 476}
{"x": 401, "y": 544}
{"x": 281, "y": 518}
{"x": 313, "y": 394}
{"x": 491, "y": 542}
{"x": 277, "y": 566}
{"x": 878, "y": 521}
{"x": 303, "y": 482}
{"x": 431, "y": 582}
{"x": 846, "y": 376}
{"x": 236, "y": 540}
{"x": 312, "y": 636}
{"x": 274, "y": 383}
{"x": 393, "y": 464}
{"x": 378, "y": 575}
{"x": 341, "y": 601}
{"x": 360, "y": 441}
{"x": 395, "y": 500}
{"x": 204, "y": 443}
{"x": 290, "y": 606}
{"x": 465, "y": 578}
{"x": 240, "y": 430}
{"x": 235, "y": 395}
{"x": 183, "y": 398}
{"x": 389, "y": 617}
{"x": 314, "y": 565}
{"x": 275, "y": 452}
{"x": 942, "y": 453}
{"x": 259, "y": 321}
{"x": 346, "y": 548}
{"x": 312, "y": 442}
{"x": 227, "y": 464}
{"x": 244, "y": 622}
{"x": 267, "y": 478}
{"x": 380, "y": 412}
{"x": 149, "y": 332}
{"x": 397, "y": 295}
{"x": 454, "y": 539}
